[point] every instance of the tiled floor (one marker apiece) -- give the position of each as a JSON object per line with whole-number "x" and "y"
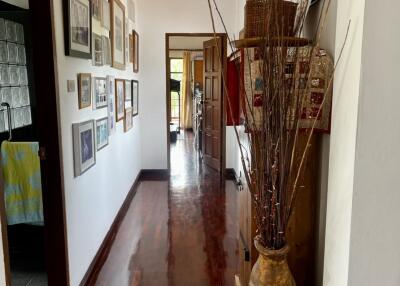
{"x": 177, "y": 232}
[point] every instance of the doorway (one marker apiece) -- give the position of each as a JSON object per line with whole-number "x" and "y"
{"x": 32, "y": 218}
{"x": 192, "y": 62}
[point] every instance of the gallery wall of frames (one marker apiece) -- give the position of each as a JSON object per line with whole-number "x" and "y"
{"x": 99, "y": 30}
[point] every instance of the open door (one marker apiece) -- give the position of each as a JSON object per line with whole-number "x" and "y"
{"x": 213, "y": 108}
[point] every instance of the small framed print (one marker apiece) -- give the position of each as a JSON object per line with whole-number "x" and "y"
{"x": 131, "y": 48}
{"x": 3, "y": 52}
{"x": 97, "y": 9}
{"x": 128, "y": 93}
{"x": 97, "y": 50}
{"x": 111, "y": 104}
{"x": 135, "y": 45}
{"x": 20, "y": 33}
{"x": 101, "y": 133}
{"x": 4, "y": 76}
{"x": 118, "y": 34}
{"x": 100, "y": 93}
{"x": 105, "y": 21}
{"x": 12, "y": 53}
{"x": 13, "y": 72}
{"x": 120, "y": 99}
{"x": 106, "y": 51}
{"x": 21, "y": 59}
{"x": 11, "y": 31}
{"x": 128, "y": 119}
{"x": 84, "y": 146}
{"x": 78, "y": 28}
{"x": 135, "y": 98}
{"x": 2, "y": 29}
{"x": 84, "y": 90}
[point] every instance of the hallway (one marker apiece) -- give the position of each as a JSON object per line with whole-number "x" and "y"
{"x": 182, "y": 232}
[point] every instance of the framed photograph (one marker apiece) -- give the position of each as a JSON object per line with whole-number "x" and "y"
{"x": 77, "y": 28}
{"x": 106, "y": 51}
{"x": 130, "y": 48}
{"x": 100, "y": 93}
{"x": 128, "y": 119}
{"x": 105, "y": 20}
{"x": 118, "y": 34}
{"x": 84, "y": 90}
{"x": 120, "y": 99}
{"x": 84, "y": 146}
{"x": 97, "y": 9}
{"x": 97, "y": 50}
{"x": 111, "y": 104}
{"x": 135, "y": 98}
{"x": 135, "y": 44}
{"x": 128, "y": 93}
{"x": 101, "y": 133}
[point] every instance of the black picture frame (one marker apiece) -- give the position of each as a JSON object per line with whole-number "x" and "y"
{"x": 69, "y": 49}
{"x": 135, "y": 84}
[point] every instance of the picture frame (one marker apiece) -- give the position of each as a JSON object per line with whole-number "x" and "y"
{"x": 100, "y": 95}
{"x": 98, "y": 59}
{"x": 78, "y": 28}
{"x": 128, "y": 122}
{"x": 118, "y": 34}
{"x": 105, "y": 19}
{"x": 83, "y": 146}
{"x": 97, "y": 9}
{"x": 84, "y": 90}
{"x": 102, "y": 132}
{"x": 119, "y": 99}
{"x": 130, "y": 48}
{"x": 111, "y": 105}
{"x": 106, "y": 51}
{"x": 135, "y": 56}
{"x": 135, "y": 98}
{"x": 128, "y": 93}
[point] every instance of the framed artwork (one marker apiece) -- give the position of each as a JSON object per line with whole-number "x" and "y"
{"x": 106, "y": 51}
{"x": 84, "y": 90}
{"x": 105, "y": 19}
{"x": 78, "y": 28}
{"x": 128, "y": 119}
{"x": 135, "y": 98}
{"x": 97, "y": 9}
{"x": 130, "y": 48}
{"x": 131, "y": 10}
{"x": 127, "y": 40}
{"x": 101, "y": 133}
{"x": 97, "y": 50}
{"x": 119, "y": 99}
{"x": 128, "y": 93}
{"x": 118, "y": 34}
{"x": 100, "y": 93}
{"x": 111, "y": 104}
{"x": 135, "y": 44}
{"x": 84, "y": 147}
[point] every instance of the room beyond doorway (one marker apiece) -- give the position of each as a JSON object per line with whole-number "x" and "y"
{"x": 190, "y": 92}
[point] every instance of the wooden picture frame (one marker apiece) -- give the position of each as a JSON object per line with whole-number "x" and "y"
{"x": 135, "y": 52}
{"x": 135, "y": 98}
{"x": 84, "y": 90}
{"x": 84, "y": 146}
{"x": 119, "y": 99}
{"x": 118, "y": 34}
{"x": 128, "y": 122}
{"x": 130, "y": 48}
{"x": 102, "y": 132}
{"x": 78, "y": 39}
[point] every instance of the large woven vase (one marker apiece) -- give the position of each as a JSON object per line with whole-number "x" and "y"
{"x": 271, "y": 268}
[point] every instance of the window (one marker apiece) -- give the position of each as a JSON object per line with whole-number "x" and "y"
{"x": 176, "y": 74}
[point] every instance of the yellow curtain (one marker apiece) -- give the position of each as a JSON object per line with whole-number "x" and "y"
{"x": 187, "y": 100}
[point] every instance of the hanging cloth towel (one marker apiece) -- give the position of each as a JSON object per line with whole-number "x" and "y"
{"x": 22, "y": 182}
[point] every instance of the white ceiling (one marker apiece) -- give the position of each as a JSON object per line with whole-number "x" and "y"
{"x": 187, "y": 43}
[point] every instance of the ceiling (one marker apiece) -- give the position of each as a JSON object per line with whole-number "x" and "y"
{"x": 187, "y": 43}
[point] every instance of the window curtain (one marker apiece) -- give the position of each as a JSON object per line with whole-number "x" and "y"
{"x": 187, "y": 100}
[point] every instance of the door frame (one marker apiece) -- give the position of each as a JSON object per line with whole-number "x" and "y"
{"x": 224, "y": 40}
{"x": 46, "y": 90}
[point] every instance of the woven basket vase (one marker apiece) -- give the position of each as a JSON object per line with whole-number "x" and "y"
{"x": 269, "y": 17}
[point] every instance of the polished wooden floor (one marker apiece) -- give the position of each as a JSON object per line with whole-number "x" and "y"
{"x": 178, "y": 232}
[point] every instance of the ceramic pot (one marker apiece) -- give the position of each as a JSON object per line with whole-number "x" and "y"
{"x": 271, "y": 268}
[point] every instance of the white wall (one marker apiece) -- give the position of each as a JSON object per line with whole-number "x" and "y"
{"x": 92, "y": 200}
{"x": 343, "y": 142}
{"x": 160, "y": 17}
{"x": 375, "y": 227}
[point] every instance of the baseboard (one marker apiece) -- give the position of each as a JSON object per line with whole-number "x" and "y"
{"x": 101, "y": 255}
{"x": 154, "y": 174}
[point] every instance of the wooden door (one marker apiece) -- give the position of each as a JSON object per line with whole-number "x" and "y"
{"x": 213, "y": 120}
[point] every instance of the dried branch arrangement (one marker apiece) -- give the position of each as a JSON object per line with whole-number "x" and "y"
{"x": 271, "y": 143}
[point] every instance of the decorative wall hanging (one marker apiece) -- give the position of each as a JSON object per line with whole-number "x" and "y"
{"x": 77, "y": 28}
{"x": 105, "y": 19}
{"x": 118, "y": 34}
{"x": 100, "y": 93}
{"x": 128, "y": 119}
{"x": 84, "y": 146}
{"x": 97, "y": 50}
{"x": 84, "y": 90}
{"x": 128, "y": 93}
{"x": 101, "y": 133}
{"x": 120, "y": 99}
{"x": 135, "y": 98}
{"x": 111, "y": 104}
{"x": 135, "y": 45}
